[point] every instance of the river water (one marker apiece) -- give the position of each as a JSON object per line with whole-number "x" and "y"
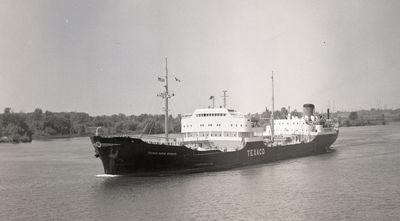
{"x": 56, "y": 180}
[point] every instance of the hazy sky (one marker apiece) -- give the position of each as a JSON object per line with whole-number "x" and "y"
{"x": 103, "y": 57}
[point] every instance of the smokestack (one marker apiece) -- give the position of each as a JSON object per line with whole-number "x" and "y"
{"x": 308, "y": 110}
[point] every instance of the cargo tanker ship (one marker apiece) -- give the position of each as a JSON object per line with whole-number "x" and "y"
{"x": 216, "y": 139}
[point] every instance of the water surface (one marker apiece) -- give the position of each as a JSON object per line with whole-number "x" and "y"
{"x": 56, "y": 180}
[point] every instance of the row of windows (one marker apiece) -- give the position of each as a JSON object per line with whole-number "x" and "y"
{"x": 210, "y": 125}
{"x": 211, "y": 115}
{"x": 280, "y": 123}
{"x": 236, "y": 125}
{"x": 212, "y": 134}
{"x": 289, "y": 130}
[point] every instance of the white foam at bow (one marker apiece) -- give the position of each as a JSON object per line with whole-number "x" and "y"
{"x": 106, "y": 175}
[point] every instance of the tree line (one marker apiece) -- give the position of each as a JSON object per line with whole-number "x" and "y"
{"x": 23, "y": 127}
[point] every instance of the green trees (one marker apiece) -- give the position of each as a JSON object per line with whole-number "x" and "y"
{"x": 14, "y": 127}
{"x": 59, "y": 122}
{"x": 353, "y": 116}
{"x": 21, "y": 127}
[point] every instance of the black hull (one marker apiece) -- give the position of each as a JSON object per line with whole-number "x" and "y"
{"x": 125, "y": 155}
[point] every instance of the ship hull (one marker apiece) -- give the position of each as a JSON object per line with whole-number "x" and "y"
{"x": 131, "y": 156}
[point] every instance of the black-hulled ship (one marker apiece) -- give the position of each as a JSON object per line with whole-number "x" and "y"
{"x": 215, "y": 139}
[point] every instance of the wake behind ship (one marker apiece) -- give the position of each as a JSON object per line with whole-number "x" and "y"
{"x": 216, "y": 139}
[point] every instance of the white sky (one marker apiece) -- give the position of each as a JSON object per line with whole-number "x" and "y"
{"x": 103, "y": 57}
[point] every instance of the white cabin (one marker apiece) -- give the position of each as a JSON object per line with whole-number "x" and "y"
{"x": 215, "y": 124}
{"x": 289, "y": 127}
{"x": 221, "y": 126}
{"x": 297, "y": 126}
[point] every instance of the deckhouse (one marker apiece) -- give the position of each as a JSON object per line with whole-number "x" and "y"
{"x": 309, "y": 124}
{"x": 215, "y": 124}
{"x": 294, "y": 126}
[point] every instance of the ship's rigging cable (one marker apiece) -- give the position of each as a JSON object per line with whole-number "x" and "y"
{"x": 152, "y": 125}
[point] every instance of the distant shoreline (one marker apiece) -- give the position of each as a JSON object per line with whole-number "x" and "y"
{"x": 57, "y": 137}
{"x": 46, "y": 125}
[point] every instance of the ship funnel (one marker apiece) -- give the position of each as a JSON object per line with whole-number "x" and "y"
{"x": 308, "y": 110}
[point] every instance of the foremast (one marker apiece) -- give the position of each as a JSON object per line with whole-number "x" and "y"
{"x": 165, "y": 95}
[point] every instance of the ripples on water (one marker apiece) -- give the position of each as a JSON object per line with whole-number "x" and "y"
{"x": 56, "y": 180}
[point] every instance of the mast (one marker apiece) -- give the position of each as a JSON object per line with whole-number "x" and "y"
{"x": 166, "y": 100}
{"x": 165, "y": 95}
{"x": 213, "y": 101}
{"x": 225, "y": 96}
{"x": 273, "y": 108}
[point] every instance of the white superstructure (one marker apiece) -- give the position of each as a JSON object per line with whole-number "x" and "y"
{"x": 226, "y": 128}
{"x": 297, "y": 126}
{"x": 215, "y": 124}
{"x": 308, "y": 125}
